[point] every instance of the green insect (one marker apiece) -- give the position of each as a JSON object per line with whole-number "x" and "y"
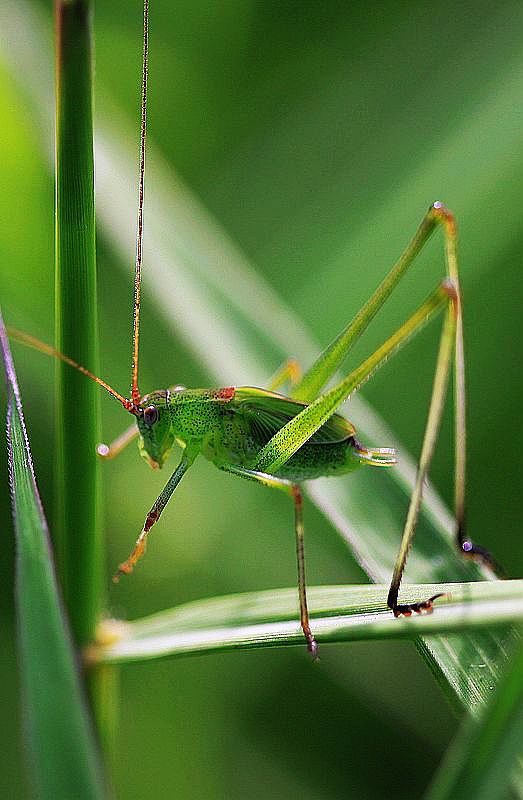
{"x": 281, "y": 441}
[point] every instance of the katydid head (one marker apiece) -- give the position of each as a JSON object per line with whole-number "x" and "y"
{"x": 154, "y": 424}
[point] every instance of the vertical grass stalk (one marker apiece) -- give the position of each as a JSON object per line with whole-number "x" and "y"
{"x": 78, "y": 539}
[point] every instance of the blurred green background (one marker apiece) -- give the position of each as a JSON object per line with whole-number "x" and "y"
{"x": 317, "y": 135}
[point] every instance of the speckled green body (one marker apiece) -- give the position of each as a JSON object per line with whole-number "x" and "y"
{"x": 230, "y": 426}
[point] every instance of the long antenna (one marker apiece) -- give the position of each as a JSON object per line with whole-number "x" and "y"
{"x": 135, "y": 393}
{"x": 132, "y": 405}
{"x": 32, "y": 341}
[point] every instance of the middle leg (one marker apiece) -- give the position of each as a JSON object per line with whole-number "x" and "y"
{"x": 292, "y": 489}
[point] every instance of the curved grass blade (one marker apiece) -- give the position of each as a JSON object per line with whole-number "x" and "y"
{"x": 480, "y": 763}
{"x": 338, "y": 614}
{"x": 209, "y": 273}
{"x": 62, "y": 749}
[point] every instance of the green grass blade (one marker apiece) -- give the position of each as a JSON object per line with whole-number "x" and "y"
{"x": 479, "y": 764}
{"x": 64, "y": 758}
{"x": 78, "y": 533}
{"x": 79, "y": 540}
{"x": 338, "y": 614}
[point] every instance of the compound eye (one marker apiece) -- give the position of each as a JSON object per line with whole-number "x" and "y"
{"x": 150, "y": 415}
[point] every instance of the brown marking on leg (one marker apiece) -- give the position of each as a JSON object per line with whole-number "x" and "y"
{"x": 300, "y": 556}
{"x": 152, "y": 517}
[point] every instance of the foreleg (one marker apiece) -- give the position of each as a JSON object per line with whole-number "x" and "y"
{"x": 154, "y": 514}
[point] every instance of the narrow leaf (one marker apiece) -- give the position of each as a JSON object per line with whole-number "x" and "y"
{"x": 63, "y": 753}
{"x": 338, "y": 614}
{"x": 481, "y": 760}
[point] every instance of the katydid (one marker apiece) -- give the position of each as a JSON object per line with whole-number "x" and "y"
{"x": 281, "y": 441}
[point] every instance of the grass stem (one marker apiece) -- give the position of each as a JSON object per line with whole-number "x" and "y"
{"x": 78, "y": 538}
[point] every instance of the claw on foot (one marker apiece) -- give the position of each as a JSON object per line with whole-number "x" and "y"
{"x": 123, "y": 569}
{"x": 422, "y": 607}
{"x": 482, "y": 556}
{"x": 312, "y": 645}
